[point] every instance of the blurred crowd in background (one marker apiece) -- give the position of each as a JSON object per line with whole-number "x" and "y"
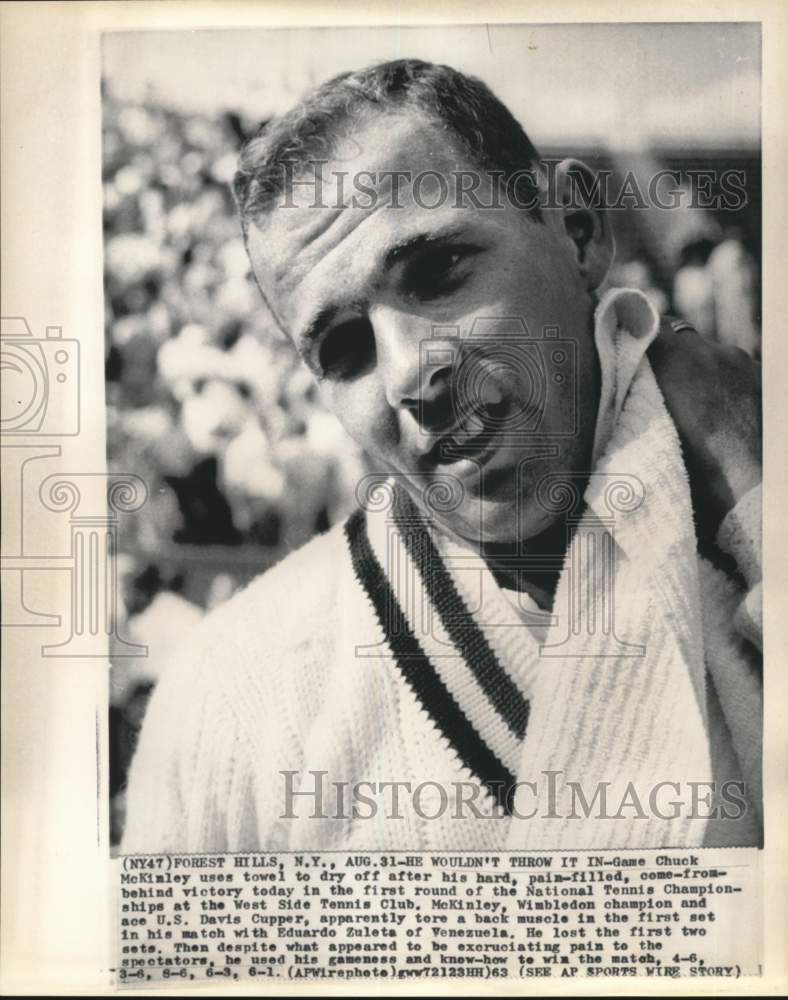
{"x": 205, "y": 399}
{"x": 207, "y": 402}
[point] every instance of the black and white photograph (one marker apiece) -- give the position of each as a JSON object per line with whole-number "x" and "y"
{"x": 438, "y": 351}
{"x": 393, "y": 487}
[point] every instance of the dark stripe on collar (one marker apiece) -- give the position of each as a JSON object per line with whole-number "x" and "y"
{"x": 462, "y": 628}
{"x": 419, "y": 672}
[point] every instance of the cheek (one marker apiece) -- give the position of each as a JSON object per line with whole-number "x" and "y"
{"x": 362, "y": 410}
{"x": 543, "y": 304}
{"x": 540, "y": 284}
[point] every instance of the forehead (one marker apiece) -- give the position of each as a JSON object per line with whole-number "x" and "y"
{"x": 393, "y": 176}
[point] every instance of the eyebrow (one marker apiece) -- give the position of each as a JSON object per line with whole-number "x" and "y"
{"x": 322, "y": 318}
{"x": 395, "y": 254}
{"x": 410, "y": 245}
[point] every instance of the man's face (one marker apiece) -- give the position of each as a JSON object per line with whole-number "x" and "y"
{"x": 429, "y": 328}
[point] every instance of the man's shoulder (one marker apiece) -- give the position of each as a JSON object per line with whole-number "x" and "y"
{"x": 280, "y": 608}
{"x": 309, "y": 571}
{"x": 713, "y": 395}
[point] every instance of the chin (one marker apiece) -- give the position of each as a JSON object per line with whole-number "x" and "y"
{"x": 483, "y": 522}
{"x": 502, "y": 523}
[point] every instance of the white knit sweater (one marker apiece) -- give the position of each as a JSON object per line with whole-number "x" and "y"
{"x": 385, "y": 652}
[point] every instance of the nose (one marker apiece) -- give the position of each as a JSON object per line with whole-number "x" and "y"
{"x": 416, "y": 373}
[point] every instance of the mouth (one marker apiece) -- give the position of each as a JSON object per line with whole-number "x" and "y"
{"x": 468, "y": 447}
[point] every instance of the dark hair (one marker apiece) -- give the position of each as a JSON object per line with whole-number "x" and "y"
{"x": 463, "y": 105}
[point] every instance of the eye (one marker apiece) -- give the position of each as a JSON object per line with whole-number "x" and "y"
{"x": 438, "y": 271}
{"x": 347, "y": 350}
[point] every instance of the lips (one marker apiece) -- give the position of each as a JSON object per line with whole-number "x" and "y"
{"x": 474, "y": 440}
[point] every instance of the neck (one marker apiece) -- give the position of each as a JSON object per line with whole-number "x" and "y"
{"x": 535, "y": 567}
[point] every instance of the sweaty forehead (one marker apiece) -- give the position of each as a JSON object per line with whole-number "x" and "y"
{"x": 355, "y": 202}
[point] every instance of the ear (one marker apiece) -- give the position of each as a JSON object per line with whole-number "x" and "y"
{"x": 583, "y": 220}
